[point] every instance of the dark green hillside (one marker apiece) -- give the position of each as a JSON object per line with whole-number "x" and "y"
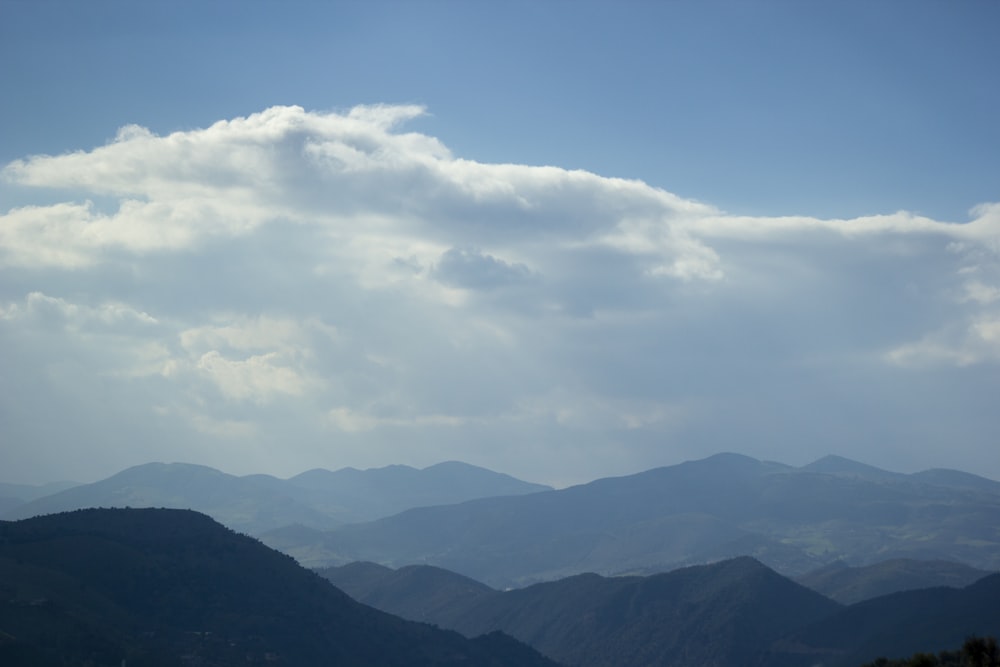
{"x": 848, "y": 585}
{"x": 736, "y": 612}
{"x": 169, "y": 587}
{"x": 722, "y": 614}
{"x": 975, "y": 652}
{"x": 417, "y": 592}
{"x": 923, "y": 621}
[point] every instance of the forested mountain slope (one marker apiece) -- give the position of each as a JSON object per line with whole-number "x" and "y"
{"x": 735, "y": 612}
{"x": 170, "y": 587}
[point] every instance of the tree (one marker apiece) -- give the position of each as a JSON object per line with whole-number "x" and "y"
{"x": 981, "y": 652}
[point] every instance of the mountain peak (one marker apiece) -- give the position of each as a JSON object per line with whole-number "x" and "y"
{"x": 87, "y": 584}
{"x": 158, "y": 468}
{"x": 839, "y": 465}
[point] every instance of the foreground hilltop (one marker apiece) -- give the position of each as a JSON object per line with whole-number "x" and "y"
{"x": 169, "y": 587}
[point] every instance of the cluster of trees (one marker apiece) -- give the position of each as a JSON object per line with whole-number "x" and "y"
{"x": 975, "y": 652}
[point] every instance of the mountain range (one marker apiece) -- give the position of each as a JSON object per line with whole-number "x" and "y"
{"x": 725, "y": 560}
{"x": 795, "y": 520}
{"x": 506, "y": 532}
{"x": 843, "y": 583}
{"x": 734, "y": 612}
{"x": 256, "y": 503}
{"x": 158, "y": 587}
{"x": 12, "y": 495}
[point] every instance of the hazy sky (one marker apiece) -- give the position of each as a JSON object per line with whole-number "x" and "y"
{"x": 562, "y": 240}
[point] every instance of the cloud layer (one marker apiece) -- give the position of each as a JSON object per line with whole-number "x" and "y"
{"x": 297, "y": 289}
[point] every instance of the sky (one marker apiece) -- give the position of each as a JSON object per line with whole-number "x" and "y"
{"x": 562, "y": 240}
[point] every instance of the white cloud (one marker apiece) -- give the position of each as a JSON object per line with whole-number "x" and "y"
{"x": 976, "y": 343}
{"x": 259, "y": 377}
{"x": 980, "y": 293}
{"x": 57, "y": 311}
{"x": 356, "y": 421}
{"x": 299, "y": 276}
{"x": 238, "y": 332}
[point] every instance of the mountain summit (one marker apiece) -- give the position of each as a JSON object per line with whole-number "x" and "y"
{"x": 793, "y": 519}
{"x": 257, "y": 503}
{"x": 171, "y": 587}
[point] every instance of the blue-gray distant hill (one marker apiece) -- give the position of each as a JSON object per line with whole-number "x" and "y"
{"x": 12, "y": 495}
{"x": 843, "y": 583}
{"x": 257, "y": 503}
{"x": 792, "y": 519}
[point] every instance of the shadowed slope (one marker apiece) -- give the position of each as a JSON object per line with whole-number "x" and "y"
{"x": 901, "y": 624}
{"x": 722, "y": 614}
{"x": 848, "y": 585}
{"x": 153, "y": 586}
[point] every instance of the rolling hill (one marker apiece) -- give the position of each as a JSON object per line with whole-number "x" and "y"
{"x": 732, "y": 612}
{"x": 721, "y": 614}
{"x": 792, "y": 519}
{"x": 13, "y": 495}
{"x": 258, "y": 503}
{"x": 848, "y": 585}
{"x": 170, "y": 587}
{"x": 922, "y": 621}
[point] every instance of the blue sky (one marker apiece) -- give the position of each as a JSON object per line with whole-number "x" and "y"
{"x": 765, "y": 227}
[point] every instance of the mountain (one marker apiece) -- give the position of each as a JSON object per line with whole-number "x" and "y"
{"x": 29, "y": 492}
{"x": 258, "y": 503}
{"x": 732, "y": 612}
{"x": 363, "y": 495}
{"x": 792, "y": 519}
{"x": 248, "y": 504}
{"x": 922, "y": 621}
{"x": 957, "y": 479}
{"x": 13, "y": 495}
{"x": 170, "y": 587}
{"x": 848, "y": 585}
{"x": 721, "y": 614}
{"x": 838, "y": 465}
{"x": 417, "y": 592}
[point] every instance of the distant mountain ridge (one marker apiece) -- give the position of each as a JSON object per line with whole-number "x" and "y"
{"x": 257, "y": 503}
{"x": 13, "y": 495}
{"x": 849, "y": 585}
{"x": 792, "y": 519}
{"x": 721, "y": 614}
{"x": 505, "y": 532}
{"x": 927, "y": 620}
{"x": 734, "y": 612}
